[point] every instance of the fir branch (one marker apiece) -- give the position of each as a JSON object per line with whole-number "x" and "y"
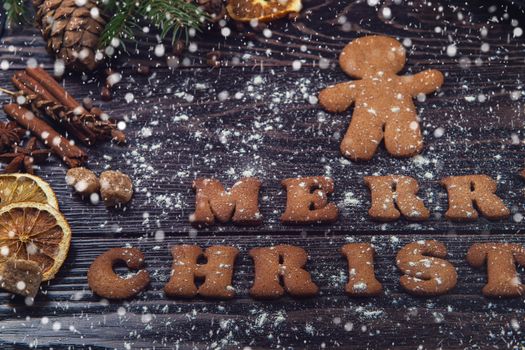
{"x": 168, "y": 16}
{"x": 122, "y": 22}
{"x": 172, "y": 16}
{"x": 16, "y": 12}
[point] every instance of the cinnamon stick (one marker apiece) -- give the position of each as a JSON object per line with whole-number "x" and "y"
{"x": 43, "y": 99}
{"x": 51, "y": 85}
{"x": 93, "y": 121}
{"x": 116, "y": 134}
{"x": 72, "y": 155}
{"x": 45, "y": 94}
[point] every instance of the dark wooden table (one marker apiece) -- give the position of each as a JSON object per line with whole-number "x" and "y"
{"x": 255, "y": 115}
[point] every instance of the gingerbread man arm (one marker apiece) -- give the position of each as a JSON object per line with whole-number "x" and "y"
{"x": 339, "y": 97}
{"x": 424, "y": 82}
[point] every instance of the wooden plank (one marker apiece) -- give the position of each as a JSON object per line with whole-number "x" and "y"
{"x": 181, "y": 127}
{"x": 454, "y": 320}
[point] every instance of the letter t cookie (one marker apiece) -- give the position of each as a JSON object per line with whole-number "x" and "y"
{"x": 383, "y": 106}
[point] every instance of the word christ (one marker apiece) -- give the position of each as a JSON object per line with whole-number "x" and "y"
{"x": 281, "y": 270}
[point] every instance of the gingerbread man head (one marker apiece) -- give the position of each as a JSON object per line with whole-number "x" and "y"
{"x": 370, "y": 55}
{"x": 384, "y": 109}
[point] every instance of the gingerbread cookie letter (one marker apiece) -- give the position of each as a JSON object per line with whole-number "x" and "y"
{"x": 425, "y": 273}
{"x": 217, "y": 272}
{"x": 383, "y": 100}
{"x": 307, "y": 200}
{"x": 361, "y": 280}
{"x": 465, "y": 191}
{"x": 501, "y": 258}
{"x": 269, "y": 269}
{"x": 106, "y": 283}
{"x": 240, "y": 204}
{"x": 394, "y": 195}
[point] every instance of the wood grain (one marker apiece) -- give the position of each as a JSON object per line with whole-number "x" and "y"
{"x": 182, "y": 125}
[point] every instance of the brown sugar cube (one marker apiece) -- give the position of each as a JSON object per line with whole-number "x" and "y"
{"x": 116, "y": 188}
{"x": 22, "y": 277}
{"x": 83, "y": 180}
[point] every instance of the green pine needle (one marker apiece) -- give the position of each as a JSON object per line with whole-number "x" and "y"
{"x": 170, "y": 16}
{"x": 122, "y": 21}
{"x": 16, "y": 12}
{"x": 167, "y": 16}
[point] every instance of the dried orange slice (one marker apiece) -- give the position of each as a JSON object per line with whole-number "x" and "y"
{"x": 261, "y": 10}
{"x": 15, "y": 188}
{"x": 37, "y": 232}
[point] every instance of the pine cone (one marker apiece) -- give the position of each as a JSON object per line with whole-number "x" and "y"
{"x": 71, "y": 31}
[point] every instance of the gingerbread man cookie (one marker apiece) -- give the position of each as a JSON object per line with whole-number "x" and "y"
{"x": 383, "y": 106}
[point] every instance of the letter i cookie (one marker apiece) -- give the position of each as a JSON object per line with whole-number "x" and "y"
{"x": 383, "y": 106}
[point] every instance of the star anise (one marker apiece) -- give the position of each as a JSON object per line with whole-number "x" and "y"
{"x": 10, "y": 134}
{"x": 23, "y": 158}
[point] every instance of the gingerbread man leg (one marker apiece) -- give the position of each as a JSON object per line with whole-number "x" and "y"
{"x": 363, "y": 136}
{"x": 403, "y": 137}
